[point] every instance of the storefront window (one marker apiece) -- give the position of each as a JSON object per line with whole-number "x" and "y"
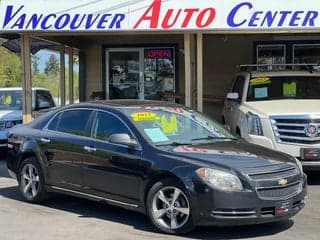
{"x": 271, "y": 55}
{"x": 159, "y": 72}
{"x": 140, "y": 73}
{"x": 306, "y": 53}
{"x": 124, "y": 74}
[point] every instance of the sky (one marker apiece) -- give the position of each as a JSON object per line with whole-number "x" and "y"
{"x": 44, "y": 56}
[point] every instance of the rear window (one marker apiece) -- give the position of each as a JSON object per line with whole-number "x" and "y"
{"x": 72, "y": 122}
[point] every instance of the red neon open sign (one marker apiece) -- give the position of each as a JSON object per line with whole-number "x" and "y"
{"x": 159, "y": 53}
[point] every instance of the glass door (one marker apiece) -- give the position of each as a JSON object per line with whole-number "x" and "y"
{"x": 125, "y": 74}
{"x": 140, "y": 73}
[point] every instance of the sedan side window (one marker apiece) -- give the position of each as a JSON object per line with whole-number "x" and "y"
{"x": 105, "y": 125}
{"x": 73, "y": 122}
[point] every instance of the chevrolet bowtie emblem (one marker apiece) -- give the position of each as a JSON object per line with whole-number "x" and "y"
{"x": 283, "y": 182}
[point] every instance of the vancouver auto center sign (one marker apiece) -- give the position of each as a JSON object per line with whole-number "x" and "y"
{"x": 157, "y": 15}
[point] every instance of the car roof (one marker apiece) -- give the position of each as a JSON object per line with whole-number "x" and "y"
{"x": 124, "y": 103}
{"x": 284, "y": 73}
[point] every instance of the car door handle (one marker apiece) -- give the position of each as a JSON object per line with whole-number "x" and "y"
{"x": 90, "y": 149}
{"x": 45, "y": 140}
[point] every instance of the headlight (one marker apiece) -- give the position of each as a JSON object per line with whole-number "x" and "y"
{"x": 254, "y": 124}
{"x": 219, "y": 179}
{"x": 9, "y": 124}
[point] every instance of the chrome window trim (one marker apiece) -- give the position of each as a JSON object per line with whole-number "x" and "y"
{"x": 45, "y": 128}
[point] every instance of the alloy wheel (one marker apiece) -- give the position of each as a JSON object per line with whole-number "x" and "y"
{"x": 170, "y": 208}
{"x": 30, "y": 181}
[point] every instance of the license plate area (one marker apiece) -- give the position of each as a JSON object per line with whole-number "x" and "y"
{"x": 310, "y": 154}
{"x": 283, "y": 208}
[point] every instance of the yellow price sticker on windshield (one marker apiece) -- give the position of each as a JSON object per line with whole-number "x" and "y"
{"x": 169, "y": 126}
{"x": 260, "y": 80}
{"x": 144, "y": 116}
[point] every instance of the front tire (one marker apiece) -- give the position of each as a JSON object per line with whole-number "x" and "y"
{"x": 31, "y": 181}
{"x": 169, "y": 208}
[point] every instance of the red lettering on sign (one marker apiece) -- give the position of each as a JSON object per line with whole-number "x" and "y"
{"x": 190, "y": 12}
{"x": 152, "y": 15}
{"x": 202, "y": 18}
{"x": 165, "y": 21}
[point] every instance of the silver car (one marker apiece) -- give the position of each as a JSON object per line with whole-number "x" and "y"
{"x": 11, "y": 107}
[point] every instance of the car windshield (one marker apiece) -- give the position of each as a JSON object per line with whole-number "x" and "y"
{"x": 10, "y": 100}
{"x": 286, "y": 87}
{"x": 176, "y": 125}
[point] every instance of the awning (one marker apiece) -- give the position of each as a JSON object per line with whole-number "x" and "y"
{"x": 35, "y": 45}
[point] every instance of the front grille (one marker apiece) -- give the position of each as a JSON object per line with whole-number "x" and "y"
{"x": 292, "y": 129}
{"x": 280, "y": 192}
{"x": 2, "y": 125}
{"x": 283, "y": 173}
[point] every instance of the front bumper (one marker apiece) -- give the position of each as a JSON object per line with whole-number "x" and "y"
{"x": 291, "y": 149}
{"x": 217, "y": 208}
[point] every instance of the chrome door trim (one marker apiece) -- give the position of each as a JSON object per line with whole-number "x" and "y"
{"x": 94, "y": 196}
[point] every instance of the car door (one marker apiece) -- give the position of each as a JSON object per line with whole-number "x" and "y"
{"x": 231, "y": 107}
{"x": 112, "y": 171}
{"x": 62, "y": 143}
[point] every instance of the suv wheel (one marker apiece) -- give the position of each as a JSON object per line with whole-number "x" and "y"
{"x": 169, "y": 208}
{"x": 31, "y": 181}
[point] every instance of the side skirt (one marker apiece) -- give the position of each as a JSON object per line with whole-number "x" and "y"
{"x": 125, "y": 205}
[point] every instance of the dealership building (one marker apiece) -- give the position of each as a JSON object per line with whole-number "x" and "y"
{"x": 183, "y": 51}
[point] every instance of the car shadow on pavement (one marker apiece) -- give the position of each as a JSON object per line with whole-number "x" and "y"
{"x": 90, "y": 209}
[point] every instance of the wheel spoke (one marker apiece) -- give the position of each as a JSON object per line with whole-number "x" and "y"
{"x": 185, "y": 211}
{"x": 34, "y": 189}
{"x": 176, "y": 194}
{"x": 162, "y": 197}
{"x": 174, "y": 222}
{"x": 25, "y": 176}
{"x": 159, "y": 213}
{"x": 27, "y": 187}
{"x": 30, "y": 172}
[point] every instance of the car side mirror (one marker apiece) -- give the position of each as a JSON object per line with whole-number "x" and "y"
{"x": 44, "y": 105}
{"x": 233, "y": 96}
{"x": 123, "y": 138}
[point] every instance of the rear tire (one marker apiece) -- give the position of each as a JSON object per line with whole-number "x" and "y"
{"x": 31, "y": 181}
{"x": 169, "y": 208}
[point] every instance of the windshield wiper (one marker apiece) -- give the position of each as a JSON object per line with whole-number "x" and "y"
{"x": 174, "y": 143}
{"x": 214, "y": 137}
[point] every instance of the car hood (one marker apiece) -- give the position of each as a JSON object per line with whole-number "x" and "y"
{"x": 237, "y": 155}
{"x": 283, "y": 107}
{"x": 10, "y": 115}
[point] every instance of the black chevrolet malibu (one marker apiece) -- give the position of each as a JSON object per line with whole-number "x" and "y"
{"x": 165, "y": 160}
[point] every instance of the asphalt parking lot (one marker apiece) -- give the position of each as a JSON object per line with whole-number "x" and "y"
{"x": 68, "y": 218}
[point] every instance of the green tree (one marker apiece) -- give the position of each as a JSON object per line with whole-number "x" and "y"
{"x": 35, "y": 63}
{"x": 52, "y": 66}
{"x": 10, "y": 69}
